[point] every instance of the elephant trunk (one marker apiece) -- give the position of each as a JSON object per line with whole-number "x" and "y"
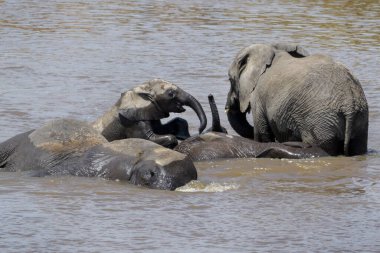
{"x": 238, "y": 119}
{"x": 214, "y": 112}
{"x": 216, "y": 126}
{"x": 190, "y": 101}
{"x": 239, "y": 123}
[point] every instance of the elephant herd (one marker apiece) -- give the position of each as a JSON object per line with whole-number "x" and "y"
{"x": 302, "y": 106}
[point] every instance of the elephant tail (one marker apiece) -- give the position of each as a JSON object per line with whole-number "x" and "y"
{"x": 347, "y": 133}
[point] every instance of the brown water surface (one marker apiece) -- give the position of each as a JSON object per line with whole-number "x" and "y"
{"x": 73, "y": 58}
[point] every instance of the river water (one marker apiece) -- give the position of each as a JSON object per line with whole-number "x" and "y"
{"x": 74, "y": 58}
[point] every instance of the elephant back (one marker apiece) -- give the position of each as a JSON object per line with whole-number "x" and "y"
{"x": 64, "y": 135}
{"x": 145, "y": 150}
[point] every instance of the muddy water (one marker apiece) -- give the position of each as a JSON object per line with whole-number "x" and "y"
{"x": 73, "y": 58}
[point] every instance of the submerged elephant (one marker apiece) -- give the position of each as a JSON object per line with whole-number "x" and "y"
{"x": 138, "y": 112}
{"x": 214, "y": 145}
{"x": 297, "y": 97}
{"x": 217, "y": 144}
{"x": 71, "y": 147}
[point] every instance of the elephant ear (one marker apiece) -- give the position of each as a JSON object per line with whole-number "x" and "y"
{"x": 139, "y": 104}
{"x": 251, "y": 64}
{"x": 293, "y": 49}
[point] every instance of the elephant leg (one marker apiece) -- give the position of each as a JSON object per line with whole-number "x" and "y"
{"x": 262, "y": 130}
{"x": 358, "y": 146}
{"x": 359, "y": 142}
{"x": 146, "y": 130}
{"x": 324, "y": 137}
{"x": 333, "y": 147}
{"x": 177, "y": 127}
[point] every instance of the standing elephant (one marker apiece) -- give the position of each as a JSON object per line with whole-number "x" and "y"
{"x": 138, "y": 112}
{"x": 294, "y": 96}
{"x": 218, "y": 144}
{"x": 71, "y": 147}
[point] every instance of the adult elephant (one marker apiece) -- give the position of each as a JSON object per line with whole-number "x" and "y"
{"x": 71, "y": 147}
{"x": 294, "y": 96}
{"x": 138, "y": 112}
{"x": 218, "y": 144}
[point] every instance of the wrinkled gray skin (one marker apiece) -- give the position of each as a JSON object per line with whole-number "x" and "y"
{"x": 217, "y": 144}
{"x": 297, "y": 97}
{"x": 214, "y": 145}
{"x": 71, "y": 147}
{"x": 138, "y": 112}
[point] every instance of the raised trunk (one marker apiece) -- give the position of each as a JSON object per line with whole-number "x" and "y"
{"x": 239, "y": 123}
{"x": 216, "y": 127}
{"x": 190, "y": 101}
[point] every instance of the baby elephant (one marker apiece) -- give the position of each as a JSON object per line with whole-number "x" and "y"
{"x": 138, "y": 112}
{"x": 218, "y": 144}
{"x": 71, "y": 147}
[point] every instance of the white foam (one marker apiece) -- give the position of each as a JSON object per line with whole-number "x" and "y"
{"x": 197, "y": 186}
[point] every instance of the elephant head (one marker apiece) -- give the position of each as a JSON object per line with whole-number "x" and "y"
{"x": 244, "y": 75}
{"x": 169, "y": 177}
{"x": 141, "y": 162}
{"x": 154, "y": 100}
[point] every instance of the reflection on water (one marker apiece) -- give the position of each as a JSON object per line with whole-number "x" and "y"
{"x": 73, "y": 58}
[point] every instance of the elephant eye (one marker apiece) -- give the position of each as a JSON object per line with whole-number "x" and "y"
{"x": 171, "y": 93}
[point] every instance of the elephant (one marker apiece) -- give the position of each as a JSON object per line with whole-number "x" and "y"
{"x": 73, "y": 147}
{"x": 138, "y": 112}
{"x": 294, "y": 96}
{"x": 218, "y": 144}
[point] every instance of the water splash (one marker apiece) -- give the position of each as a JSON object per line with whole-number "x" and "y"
{"x": 198, "y": 186}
